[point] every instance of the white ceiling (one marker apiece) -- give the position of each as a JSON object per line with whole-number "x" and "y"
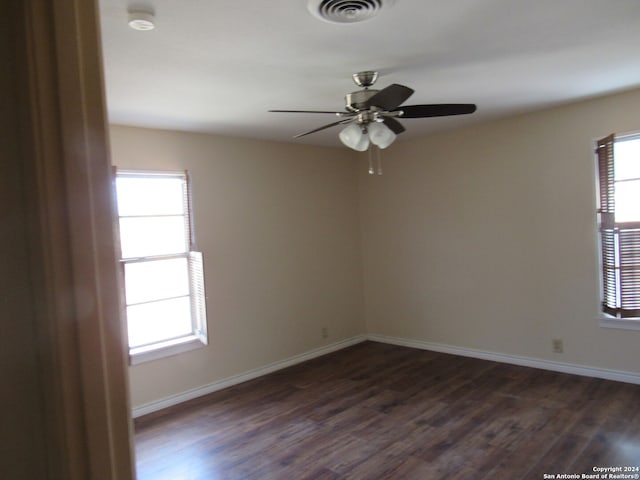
{"x": 218, "y": 65}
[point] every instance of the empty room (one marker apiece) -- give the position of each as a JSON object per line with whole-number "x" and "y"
{"x": 345, "y": 239}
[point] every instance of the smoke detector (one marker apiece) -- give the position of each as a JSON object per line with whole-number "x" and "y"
{"x": 347, "y": 11}
{"x": 142, "y": 21}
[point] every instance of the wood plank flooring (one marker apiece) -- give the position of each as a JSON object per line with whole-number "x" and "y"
{"x": 376, "y": 411}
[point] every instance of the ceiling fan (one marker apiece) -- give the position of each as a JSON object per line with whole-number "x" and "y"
{"x": 371, "y": 115}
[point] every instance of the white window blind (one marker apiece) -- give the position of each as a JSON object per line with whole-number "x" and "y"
{"x": 163, "y": 274}
{"x": 619, "y": 224}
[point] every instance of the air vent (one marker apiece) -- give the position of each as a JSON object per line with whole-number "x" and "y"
{"x": 347, "y": 11}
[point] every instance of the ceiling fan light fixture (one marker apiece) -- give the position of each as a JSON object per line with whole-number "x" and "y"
{"x": 371, "y": 115}
{"x": 381, "y": 135}
{"x": 354, "y": 137}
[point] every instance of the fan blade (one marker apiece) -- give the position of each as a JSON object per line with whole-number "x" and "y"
{"x": 394, "y": 125}
{"x": 309, "y": 111}
{"x": 348, "y": 120}
{"x": 437, "y": 110}
{"x": 389, "y": 98}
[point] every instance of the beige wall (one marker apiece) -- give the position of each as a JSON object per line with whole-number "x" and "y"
{"x": 278, "y": 225}
{"x": 480, "y": 238}
{"x": 485, "y": 238}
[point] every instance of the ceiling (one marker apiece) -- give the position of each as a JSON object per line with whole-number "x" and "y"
{"x": 218, "y": 66}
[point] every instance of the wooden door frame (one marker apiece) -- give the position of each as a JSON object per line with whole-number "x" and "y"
{"x": 76, "y": 292}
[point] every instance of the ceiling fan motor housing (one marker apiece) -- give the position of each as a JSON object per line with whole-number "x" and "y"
{"x": 356, "y": 101}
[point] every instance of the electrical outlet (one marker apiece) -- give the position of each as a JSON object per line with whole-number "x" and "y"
{"x": 324, "y": 332}
{"x": 557, "y": 346}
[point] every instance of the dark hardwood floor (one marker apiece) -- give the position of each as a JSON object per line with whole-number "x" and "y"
{"x": 376, "y": 411}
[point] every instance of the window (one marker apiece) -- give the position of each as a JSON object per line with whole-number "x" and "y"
{"x": 163, "y": 274}
{"x": 619, "y": 225}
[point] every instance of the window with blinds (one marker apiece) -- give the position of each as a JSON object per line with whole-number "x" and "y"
{"x": 163, "y": 274}
{"x": 619, "y": 224}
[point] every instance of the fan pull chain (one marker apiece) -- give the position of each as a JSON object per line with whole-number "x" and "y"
{"x": 379, "y": 161}
{"x": 371, "y": 170}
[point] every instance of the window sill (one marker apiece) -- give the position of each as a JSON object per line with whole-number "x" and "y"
{"x": 606, "y": 321}
{"x": 166, "y": 349}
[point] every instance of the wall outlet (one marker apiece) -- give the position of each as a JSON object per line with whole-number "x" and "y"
{"x": 557, "y": 346}
{"x": 324, "y": 332}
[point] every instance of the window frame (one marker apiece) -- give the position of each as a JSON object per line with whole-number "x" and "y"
{"x": 605, "y": 214}
{"x": 198, "y": 337}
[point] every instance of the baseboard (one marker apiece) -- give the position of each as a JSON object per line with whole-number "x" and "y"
{"x": 620, "y": 376}
{"x": 243, "y": 377}
{"x": 616, "y": 375}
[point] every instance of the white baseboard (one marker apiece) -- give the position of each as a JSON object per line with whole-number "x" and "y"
{"x": 620, "y": 376}
{"x": 243, "y": 377}
{"x": 616, "y": 375}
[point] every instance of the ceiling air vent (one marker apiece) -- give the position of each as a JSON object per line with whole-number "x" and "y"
{"x": 347, "y": 11}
